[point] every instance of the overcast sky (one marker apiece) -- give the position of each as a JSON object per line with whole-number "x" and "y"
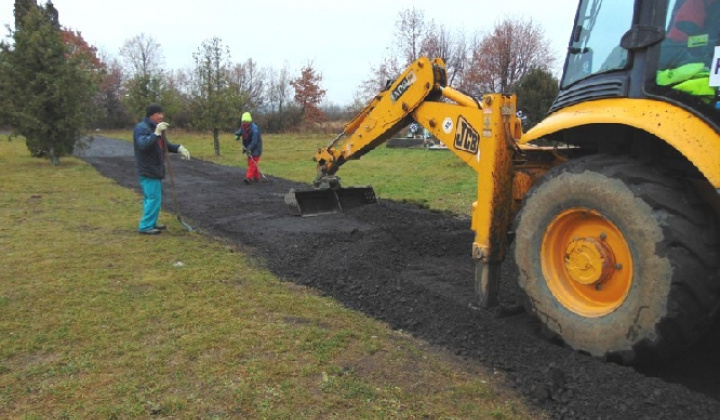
{"x": 342, "y": 39}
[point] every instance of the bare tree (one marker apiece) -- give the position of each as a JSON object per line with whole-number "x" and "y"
{"x": 143, "y": 62}
{"x": 437, "y": 42}
{"x": 410, "y": 39}
{"x": 387, "y": 71}
{"x": 441, "y": 43}
{"x": 410, "y": 31}
{"x": 414, "y": 37}
{"x": 279, "y": 89}
{"x": 176, "y": 97}
{"x": 212, "y": 96}
{"x": 503, "y": 57}
{"x": 281, "y": 113}
{"x": 142, "y": 55}
{"x": 249, "y": 84}
{"x": 114, "y": 114}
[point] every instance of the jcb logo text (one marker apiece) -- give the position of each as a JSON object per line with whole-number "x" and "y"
{"x": 466, "y": 137}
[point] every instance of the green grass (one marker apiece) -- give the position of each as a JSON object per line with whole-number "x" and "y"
{"x": 434, "y": 179}
{"x": 97, "y": 321}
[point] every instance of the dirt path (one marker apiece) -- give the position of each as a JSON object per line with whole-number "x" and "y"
{"x": 412, "y": 269}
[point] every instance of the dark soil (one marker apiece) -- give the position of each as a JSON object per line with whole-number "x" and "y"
{"x": 412, "y": 269}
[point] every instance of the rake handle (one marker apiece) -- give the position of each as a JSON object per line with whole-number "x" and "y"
{"x": 170, "y": 172}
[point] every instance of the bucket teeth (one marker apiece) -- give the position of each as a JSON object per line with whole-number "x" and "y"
{"x": 349, "y": 198}
{"x": 328, "y": 200}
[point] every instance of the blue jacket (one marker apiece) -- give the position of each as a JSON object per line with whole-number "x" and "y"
{"x": 254, "y": 143}
{"x": 149, "y": 155}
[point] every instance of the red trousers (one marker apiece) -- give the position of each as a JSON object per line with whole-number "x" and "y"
{"x": 252, "y": 168}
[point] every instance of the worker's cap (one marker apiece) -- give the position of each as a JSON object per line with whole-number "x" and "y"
{"x": 246, "y": 117}
{"x": 153, "y": 109}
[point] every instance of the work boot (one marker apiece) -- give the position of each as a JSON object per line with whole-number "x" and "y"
{"x": 152, "y": 231}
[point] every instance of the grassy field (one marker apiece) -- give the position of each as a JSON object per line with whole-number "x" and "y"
{"x": 434, "y": 179}
{"x": 97, "y": 321}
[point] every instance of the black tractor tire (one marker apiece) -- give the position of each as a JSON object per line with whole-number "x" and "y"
{"x": 671, "y": 235}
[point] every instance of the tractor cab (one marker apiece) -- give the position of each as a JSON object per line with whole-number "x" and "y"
{"x": 663, "y": 50}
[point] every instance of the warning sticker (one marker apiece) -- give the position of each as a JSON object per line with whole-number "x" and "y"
{"x": 447, "y": 125}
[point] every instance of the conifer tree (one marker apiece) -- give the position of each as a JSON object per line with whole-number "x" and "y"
{"x": 47, "y": 91}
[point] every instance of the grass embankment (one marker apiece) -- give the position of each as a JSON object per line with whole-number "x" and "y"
{"x": 434, "y": 179}
{"x": 97, "y": 321}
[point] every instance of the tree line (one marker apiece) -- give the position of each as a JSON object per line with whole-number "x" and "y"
{"x": 54, "y": 86}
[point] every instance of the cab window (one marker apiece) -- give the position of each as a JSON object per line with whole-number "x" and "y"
{"x": 595, "y": 42}
{"x": 688, "y": 52}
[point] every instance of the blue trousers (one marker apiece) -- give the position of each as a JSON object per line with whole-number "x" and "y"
{"x": 152, "y": 200}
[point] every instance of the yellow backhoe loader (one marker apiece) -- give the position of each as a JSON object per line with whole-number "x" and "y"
{"x": 615, "y": 231}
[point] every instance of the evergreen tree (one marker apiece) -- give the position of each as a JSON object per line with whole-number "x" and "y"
{"x": 536, "y": 92}
{"x": 47, "y": 91}
{"x": 22, "y": 8}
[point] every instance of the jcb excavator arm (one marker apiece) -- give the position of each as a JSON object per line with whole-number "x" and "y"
{"x": 385, "y": 116}
{"x": 480, "y": 133}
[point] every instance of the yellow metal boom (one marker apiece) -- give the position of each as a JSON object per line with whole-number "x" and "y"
{"x": 482, "y": 133}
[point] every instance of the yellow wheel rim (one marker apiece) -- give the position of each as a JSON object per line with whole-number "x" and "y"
{"x": 586, "y": 262}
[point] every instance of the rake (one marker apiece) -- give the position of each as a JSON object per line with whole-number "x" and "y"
{"x": 262, "y": 174}
{"x": 172, "y": 185}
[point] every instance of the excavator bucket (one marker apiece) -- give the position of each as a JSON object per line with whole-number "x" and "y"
{"x": 328, "y": 200}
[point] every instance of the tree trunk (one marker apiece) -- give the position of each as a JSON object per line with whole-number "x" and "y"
{"x": 54, "y": 159}
{"x": 216, "y": 141}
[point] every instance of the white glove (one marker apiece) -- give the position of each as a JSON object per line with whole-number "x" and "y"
{"x": 184, "y": 154}
{"x": 160, "y": 128}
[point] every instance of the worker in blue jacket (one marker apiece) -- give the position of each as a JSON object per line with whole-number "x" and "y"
{"x": 148, "y": 139}
{"x": 252, "y": 146}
